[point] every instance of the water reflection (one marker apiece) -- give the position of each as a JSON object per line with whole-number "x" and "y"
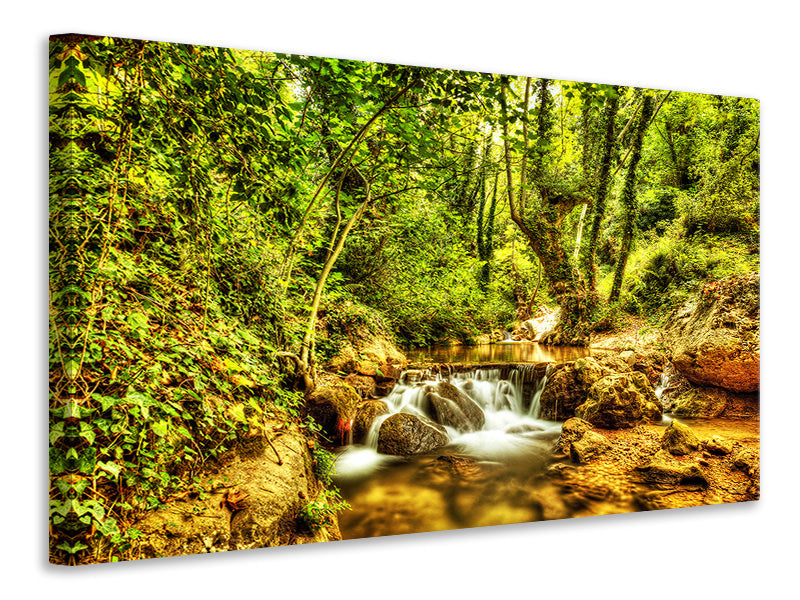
{"x": 514, "y": 352}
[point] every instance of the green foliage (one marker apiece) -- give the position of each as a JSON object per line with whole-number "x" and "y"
{"x": 670, "y": 268}
{"x": 318, "y": 513}
{"x": 197, "y": 193}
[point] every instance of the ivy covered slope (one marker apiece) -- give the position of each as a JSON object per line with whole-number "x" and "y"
{"x": 164, "y": 322}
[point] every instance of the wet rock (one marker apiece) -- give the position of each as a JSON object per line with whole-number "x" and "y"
{"x": 365, "y": 386}
{"x": 523, "y": 428}
{"x": 411, "y": 376}
{"x": 718, "y": 445}
{"x": 446, "y": 412}
{"x": 620, "y": 401}
{"x": 629, "y": 356}
{"x": 589, "y": 446}
{"x": 365, "y": 416}
{"x": 714, "y": 340}
{"x": 679, "y": 439}
{"x": 662, "y": 469}
{"x": 383, "y": 389}
{"x": 404, "y": 434}
{"x": 472, "y": 413}
{"x": 331, "y": 406}
{"x": 568, "y": 387}
{"x": 571, "y": 431}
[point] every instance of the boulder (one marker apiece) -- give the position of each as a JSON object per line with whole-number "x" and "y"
{"x": 714, "y": 339}
{"x": 252, "y": 497}
{"x": 746, "y": 461}
{"x": 534, "y": 328}
{"x": 700, "y": 402}
{"x": 473, "y": 416}
{"x": 333, "y": 406}
{"x": 712, "y": 402}
{"x": 662, "y": 469}
{"x": 568, "y": 386}
{"x": 365, "y": 386}
{"x": 403, "y": 434}
{"x": 589, "y": 446}
{"x": 365, "y": 415}
{"x": 579, "y": 441}
{"x": 679, "y": 439}
{"x": 571, "y": 431}
{"x": 446, "y": 412}
{"x": 718, "y": 445}
{"x": 620, "y": 401}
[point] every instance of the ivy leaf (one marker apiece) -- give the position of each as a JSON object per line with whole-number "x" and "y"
{"x": 111, "y": 468}
{"x": 137, "y": 320}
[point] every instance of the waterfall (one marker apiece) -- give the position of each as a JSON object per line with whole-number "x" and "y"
{"x": 508, "y": 395}
{"x": 663, "y": 384}
{"x": 537, "y": 394}
{"x": 372, "y": 435}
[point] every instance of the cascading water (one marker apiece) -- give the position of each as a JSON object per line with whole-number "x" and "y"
{"x": 659, "y": 390}
{"x": 509, "y": 399}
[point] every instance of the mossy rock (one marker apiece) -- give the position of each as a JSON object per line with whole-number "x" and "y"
{"x": 679, "y": 439}
{"x": 568, "y": 386}
{"x": 620, "y": 401}
{"x": 366, "y": 414}
{"x": 333, "y": 407}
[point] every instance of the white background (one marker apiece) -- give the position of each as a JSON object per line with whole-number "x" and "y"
{"x": 730, "y": 551}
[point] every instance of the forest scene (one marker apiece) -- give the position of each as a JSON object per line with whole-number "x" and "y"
{"x": 296, "y": 299}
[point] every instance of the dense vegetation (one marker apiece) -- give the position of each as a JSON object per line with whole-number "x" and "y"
{"x": 218, "y": 216}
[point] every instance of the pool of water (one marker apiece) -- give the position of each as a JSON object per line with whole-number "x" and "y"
{"x": 505, "y": 352}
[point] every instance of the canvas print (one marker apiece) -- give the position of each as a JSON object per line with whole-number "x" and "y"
{"x": 298, "y": 299}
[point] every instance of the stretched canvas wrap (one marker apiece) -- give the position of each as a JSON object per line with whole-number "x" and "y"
{"x": 298, "y": 299}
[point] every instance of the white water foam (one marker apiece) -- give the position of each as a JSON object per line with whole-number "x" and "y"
{"x": 511, "y": 429}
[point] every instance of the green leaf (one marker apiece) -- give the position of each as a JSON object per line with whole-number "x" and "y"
{"x": 87, "y": 432}
{"x": 111, "y": 468}
{"x": 161, "y": 428}
{"x": 137, "y": 320}
{"x": 237, "y": 412}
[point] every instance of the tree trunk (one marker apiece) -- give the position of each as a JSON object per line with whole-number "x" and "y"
{"x": 541, "y": 225}
{"x": 286, "y": 269}
{"x": 587, "y": 255}
{"x": 629, "y": 198}
{"x": 308, "y": 338}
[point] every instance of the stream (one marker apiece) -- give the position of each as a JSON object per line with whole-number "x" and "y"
{"x": 480, "y": 477}
{"x": 491, "y": 476}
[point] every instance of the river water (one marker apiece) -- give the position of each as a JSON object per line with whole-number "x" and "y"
{"x": 488, "y": 477}
{"x": 479, "y": 478}
{"x": 505, "y": 352}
